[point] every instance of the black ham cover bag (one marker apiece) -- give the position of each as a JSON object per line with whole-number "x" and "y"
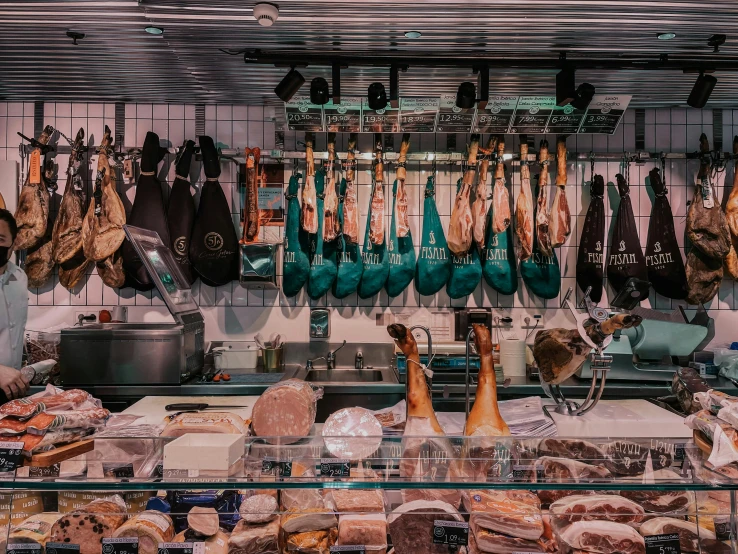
{"x": 591, "y": 256}
{"x": 214, "y": 245}
{"x": 625, "y": 257}
{"x": 148, "y": 212}
{"x": 663, "y": 255}
{"x": 181, "y": 212}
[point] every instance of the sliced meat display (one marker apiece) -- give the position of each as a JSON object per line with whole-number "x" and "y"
{"x": 285, "y": 412}
{"x": 514, "y": 513}
{"x": 254, "y": 539}
{"x": 203, "y": 521}
{"x": 591, "y": 253}
{"x": 492, "y": 542}
{"x": 251, "y": 221}
{"x": 401, "y": 203}
{"x": 479, "y": 206}
{"x": 604, "y": 537}
{"x": 369, "y": 530}
{"x": 309, "y": 208}
{"x": 150, "y": 528}
{"x": 352, "y": 433}
{"x": 625, "y": 256}
{"x": 214, "y": 244}
{"x": 411, "y": 526}
{"x": 102, "y": 228}
{"x": 575, "y": 449}
{"x": 67, "y": 233}
{"x": 148, "y": 212}
{"x": 259, "y": 508}
{"x": 560, "y": 214}
{"x": 542, "y": 209}
{"x": 500, "y": 197}
{"x": 181, "y": 211}
{"x": 524, "y": 213}
{"x": 562, "y": 470}
{"x": 376, "y": 217}
{"x": 331, "y": 226}
{"x": 89, "y": 525}
{"x": 350, "y": 202}
{"x": 630, "y": 458}
{"x": 707, "y": 227}
{"x": 32, "y": 213}
{"x": 347, "y": 500}
{"x": 663, "y": 502}
{"x": 602, "y": 507}
{"x": 460, "y": 229}
{"x": 690, "y": 535}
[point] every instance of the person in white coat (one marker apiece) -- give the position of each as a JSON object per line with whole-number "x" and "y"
{"x": 13, "y": 311}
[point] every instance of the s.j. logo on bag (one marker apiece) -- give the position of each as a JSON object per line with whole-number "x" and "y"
{"x": 431, "y": 238}
{"x": 621, "y": 248}
{"x": 598, "y": 246}
{"x": 391, "y": 246}
{"x": 657, "y": 247}
{"x": 494, "y": 240}
{"x": 180, "y": 246}
{"x": 213, "y": 241}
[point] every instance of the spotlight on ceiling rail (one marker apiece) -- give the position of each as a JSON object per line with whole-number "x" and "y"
{"x": 583, "y": 96}
{"x": 568, "y": 93}
{"x": 701, "y": 90}
{"x": 289, "y": 85}
{"x": 466, "y": 96}
{"x": 319, "y": 93}
{"x": 376, "y": 96}
{"x": 336, "y": 78}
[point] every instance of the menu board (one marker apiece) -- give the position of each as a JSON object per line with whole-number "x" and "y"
{"x": 532, "y": 113}
{"x": 344, "y": 117}
{"x": 386, "y": 120}
{"x": 418, "y": 115}
{"x": 301, "y": 115}
{"x": 497, "y": 116}
{"x": 565, "y": 120}
{"x": 604, "y": 113}
{"x": 452, "y": 119}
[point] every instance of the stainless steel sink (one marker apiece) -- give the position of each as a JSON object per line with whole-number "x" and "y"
{"x": 350, "y": 376}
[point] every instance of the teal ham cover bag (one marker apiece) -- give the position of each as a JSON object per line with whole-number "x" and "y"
{"x": 466, "y": 271}
{"x": 401, "y": 255}
{"x": 541, "y": 273}
{"x": 500, "y": 269}
{"x": 434, "y": 262}
{"x": 350, "y": 265}
{"x": 296, "y": 265}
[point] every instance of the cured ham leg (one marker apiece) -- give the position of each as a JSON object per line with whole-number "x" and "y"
{"x": 251, "y": 216}
{"x": 376, "y": 225}
{"x": 560, "y": 353}
{"x": 331, "y": 227}
{"x": 479, "y": 207}
{"x": 402, "y": 219}
{"x": 350, "y": 202}
{"x": 32, "y": 213}
{"x": 67, "y": 233}
{"x": 542, "y": 217}
{"x": 524, "y": 227}
{"x": 500, "y": 197}
{"x": 40, "y": 261}
{"x": 731, "y": 208}
{"x": 560, "y": 214}
{"x": 309, "y": 195}
{"x": 460, "y": 228}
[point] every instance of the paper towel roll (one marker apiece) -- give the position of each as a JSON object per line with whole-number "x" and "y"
{"x": 512, "y": 357}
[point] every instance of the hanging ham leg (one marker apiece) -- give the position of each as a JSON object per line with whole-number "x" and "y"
{"x": 461, "y": 226}
{"x": 542, "y": 218}
{"x": 39, "y": 264}
{"x": 331, "y": 228}
{"x": 251, "y": 213}
{"x": 731, "y": 209}
{"x": 484, "y": 418}
{"x": 401, "y": 204}
{"x": 376, "y": 225}
{"x": 500, "y": 197}
{"x": 560, "y": 214}
{"x": 479, "y": 207}
{"x": 350, "y": 203}
{"x": 67, "y": 233}
{"x": 32, "y": 213}
{"x": 309, "y": 195}
{"x": 524, "y": 209}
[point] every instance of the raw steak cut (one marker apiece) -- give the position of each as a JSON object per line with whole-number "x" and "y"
{"x": 32, "y": 213}
{"x": 560, "y": 214}
{"x": 309, "y": 208}
{"x": 663, "y": 502}
{"x": 67, "y": 233}
{"x": 500, "y": 197}
{"x": 285, "y": 412}
{"x": 460, "y": 229}
{"x": 524, "y": 226}
{"x": 542, "y": 210}
{"x": 574, "y": 449}
{"x": 411, "y": 527}
{"x": 479, "y": 206}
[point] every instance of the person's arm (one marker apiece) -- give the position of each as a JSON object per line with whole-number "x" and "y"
{"x": 12, "y": 383}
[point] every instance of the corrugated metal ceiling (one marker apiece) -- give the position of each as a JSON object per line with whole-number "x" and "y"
{"x": 117, "y": 60}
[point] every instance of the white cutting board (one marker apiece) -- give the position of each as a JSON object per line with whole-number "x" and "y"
{"x": 151, "y": 408}
{"x": 621, "y": 419}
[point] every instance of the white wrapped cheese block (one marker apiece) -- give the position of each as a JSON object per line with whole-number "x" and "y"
{"x": 285, "y": 412}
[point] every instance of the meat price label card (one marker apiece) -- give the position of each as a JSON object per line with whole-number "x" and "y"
{"x": 354, "y": 549}
{"x": 122, "y": 545}
{"x": 604, "y": 114}
{"x": 23, "y": 548}
{"x": 344, "y": 117}
{"x": 61, "y": 548}
{"x": 663, "y": 544}
{"x": 301, "y": 115}
{"x": 10, "y": 455}
{"x": 453, "y": 533}
{"x": 181, "y": 548}
{"x": 452, "y": 119}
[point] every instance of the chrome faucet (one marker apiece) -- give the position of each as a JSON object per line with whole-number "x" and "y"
{"x": 330, "y": 359}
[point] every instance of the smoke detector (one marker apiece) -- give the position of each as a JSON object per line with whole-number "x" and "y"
{"x": 266, "y": 14}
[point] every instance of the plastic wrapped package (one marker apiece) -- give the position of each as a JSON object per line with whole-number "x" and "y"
{"x": 602, "y": 507}
{"x": 259, "y": 508}
{"x": 604, "y": 537}
{"x": 205, "y": 422}
{"x": 687, "y": 386}
{"x": 662, "y": 501}
{"x": 34, "y": 530}
{"x": 515, "y": 512}
{"x": 150, "y": 528}
{"x": 311, "y": 542}
{"x": 369, "y": 530}
{"x": 225, "y": 502}
{"x": 631, "y": 458}
{"x": 689, "y": 534}
{"x": 411, "y": 526}
{"x": 573, "y": 449}
{"x": 352, "y": 433}
{"x": 254, "y": 539}
{"x": 286, "y": 411}
{"x": 19, "y": 506}
{"x": 308, "y": 519}
{"x": 724, "y": 437}
{"x": 51, "y": 399}
{"x": 710, "y": 510}
{"x": 217, "y": 544}
{"x": 562, "y": 470}
{"x": 494, "y": 542}
{"x": 355, "y": 500}
{"x": 72, "y": 500}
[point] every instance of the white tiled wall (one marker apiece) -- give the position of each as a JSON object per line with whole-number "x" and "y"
{"x": 236, "y": 312}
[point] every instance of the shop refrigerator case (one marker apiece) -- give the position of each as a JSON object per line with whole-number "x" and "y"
{"x": 420, "y": 494}
{"x": 140, "y": 353}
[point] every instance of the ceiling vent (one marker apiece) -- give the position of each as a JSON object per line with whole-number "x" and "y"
{"x": 266, "y": 14}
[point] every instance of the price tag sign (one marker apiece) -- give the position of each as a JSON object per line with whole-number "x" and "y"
{"x": 663, "y": 544}
{"x": 565, "y": 120}
{"x": 453, "y": 533}
{"x": 180, "y": 473}
{"x": 276, "y": 468}
{"x": 119, "y": 471}
{"x": 331, "y": 467}
{"x": 344, "y": 117}
{"x": 722, "y": 528}
{"x": 301, "y": 115}
{"x": 604, "y": 114}
{"x": 386, "y": 120}
{"x": 43, "y": 472}
{"x": 181, "y": 548}
{"x": 532, "y": 114}
{"x": 452, "y": 119}
{"x": 10, "y": 455}
{"x": 23, "y": 548}
{"x": 497, "y": 116}
{"x": 61, "y": 548}
{"x": 521, "y": 472}
{"x": 123, "y": 545}
{"x": 34, "y": 167}
{"x": 269, "y": 198}
{"x": 418, "y": 115}
{"x": 356, "y": 549}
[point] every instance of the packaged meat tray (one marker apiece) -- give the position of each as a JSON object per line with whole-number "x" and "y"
{"x": 285, "y": 412}
{"x": 254, "y": 538}
{"x": 308, "y": 519}
{"x": 205, "y": 422}
{"x": 562, "y": 470}
{"x": 492, "y": 542}
{"x": 574, "y": 449}
{"x": 355, "y": 500}
{"x": 369, "y": 530}
{"x": 604, "y": 507}
{"x": 34, "y": 530}
{"x": 411, "y": 526}
{"x": 516, "y": 512}
{"x": 311, "y": 542}
{"x": 630, "y": 458}
{"x": 662, "y": 501}
{"x": 217, "y": 544}
{"x": 604, "y": 537}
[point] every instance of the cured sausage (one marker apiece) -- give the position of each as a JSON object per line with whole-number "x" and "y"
{"x": 350, "y": 203}
{"x": 401, "y": 203}
{"x": 331, "y": 226}
{"x": 376, "y": 223}
{"x": 309, "y": 196}
{"x": 251, "y": 213}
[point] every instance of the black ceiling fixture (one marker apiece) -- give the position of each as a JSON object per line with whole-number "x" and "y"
{"x": 376, "y": 96}
{"x": 466, "y": 96}
{"x": 584, "y": 94}
{"x": 568, "y": 93}
{"x": 394, "y": 98}
{"x": 319, "y": 92}
{"x": 336, "y": 78}
{"x": 483, "y": 80}
{"x": 716, "y": 41}
{"x": 75, "y": 36}
{"x": 289, "y": 85}
{"x": 701, "y": 90}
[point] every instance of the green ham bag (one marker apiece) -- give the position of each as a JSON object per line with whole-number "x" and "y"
{"x": 466, "y": 271}
{"x": 541, "y": 273}
{"x": 499, "y": 270}
{"x": 434, "y": 263}
{"x": 350, "y": 265}
{"x": 296, "y": 264}
{"x": 376, "y": 262}
{"x": 324, "y": 266}
{"x": 401, "y": 255}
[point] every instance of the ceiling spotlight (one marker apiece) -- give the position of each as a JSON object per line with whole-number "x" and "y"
{"x": 289, "y": 86}
{"x": 376, "y": 96}
{"x": 336, "y": 78}
{"x": 583, "y": 96}
{"x": 701, "y": 90}
{"x": 413, "y": 34}
{"x": 154, "y": 30}
{"x": 319, "y": 92}
{"x": 666, "y": 36}
{"x": 466, "y": 96}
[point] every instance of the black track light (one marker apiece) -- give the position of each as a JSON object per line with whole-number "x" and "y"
{"x": 319, "y": 93}
{"x": 289, "y": 86}
{"x": 376, "y": 96}
{"x": 336, "y": 77}
{"x": 583, "y": 96}
{"x": 466, "y": 96}
{"x": 566, "y": 88}
{"x": 701, "y": 90}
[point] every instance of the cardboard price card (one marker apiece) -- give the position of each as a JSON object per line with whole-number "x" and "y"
{"x": 418, "y": 115}
{"x": 301, "y": 115}
{"x": 604, "y": 114}
{"x": 497, "y": 116}
{"x": 386, "y": 120}
{"x": 452, "y": 119}
{"x": 10, "y": 455}
{"x": 122, "y": 545}
{"x": 454, "y": 533}
{"x": 532, "y": 114}
{"x": 344, "y": 117}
